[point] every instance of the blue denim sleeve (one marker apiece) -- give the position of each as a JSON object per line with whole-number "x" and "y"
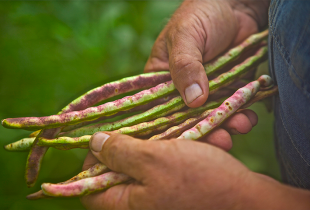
{"x": 289, "y": 56}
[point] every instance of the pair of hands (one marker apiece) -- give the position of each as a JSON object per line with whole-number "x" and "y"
{"x": 182, "y": 174}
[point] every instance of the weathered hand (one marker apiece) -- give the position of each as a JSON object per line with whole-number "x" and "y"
{"x": 175, "y": 174}
{"x": 197, "y": 32}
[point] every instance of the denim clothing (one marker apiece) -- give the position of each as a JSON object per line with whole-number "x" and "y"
{"x": 289, "y": 57}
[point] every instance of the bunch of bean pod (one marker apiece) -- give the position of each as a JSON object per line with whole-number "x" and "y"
{"x": 157, "y": 113}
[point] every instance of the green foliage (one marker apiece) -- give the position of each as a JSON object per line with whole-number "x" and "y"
{"x": 51, "y": 52}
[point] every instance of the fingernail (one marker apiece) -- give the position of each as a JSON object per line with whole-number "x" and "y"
{"x": 192, "y": 92}
{"x": 233, "y": 131}
{"x": 97, "y": 140}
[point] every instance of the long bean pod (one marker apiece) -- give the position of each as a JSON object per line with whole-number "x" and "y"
{"x": 35, "y": 156}
{"x": 135, "y": 109}
{"x": 228, "y": 107}
{"x": 235, "y": 52}
{"x": 175, "y": 131}
{"x": 95, "y": 170}
{"x": 115, "y": 88}
{"x": 85, "y": 186}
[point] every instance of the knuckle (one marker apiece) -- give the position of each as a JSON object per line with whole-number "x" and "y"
{"x": 185, "y": 68}
{"x": 147, "y": 152}
{"x": 156, "y": 64}
{"x": 190, "y": 25}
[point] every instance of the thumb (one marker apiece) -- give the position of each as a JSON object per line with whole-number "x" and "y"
{"x": 121, "y": 153}
{"x": 187, "y": 71}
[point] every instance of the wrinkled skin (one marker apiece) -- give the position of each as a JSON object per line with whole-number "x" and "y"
{"x": 197, "y": 32}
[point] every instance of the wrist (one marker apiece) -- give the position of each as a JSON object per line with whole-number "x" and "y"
{"x": 262, "y": 192}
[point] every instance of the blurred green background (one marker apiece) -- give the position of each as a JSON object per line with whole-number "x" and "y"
{"x": 51, "y": 52}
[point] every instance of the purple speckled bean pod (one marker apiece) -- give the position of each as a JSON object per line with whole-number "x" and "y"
{"x": 235, "y": 52}
{"x": 115, "y": 88}
{"x": 91, "y": 113}
{"x": 135, "y": 109}
{"x": 238, "y": 71}
{"x": 85, "y": 186}
{"x": 229, "y": 106}
{"x": 66, "y": 143}
{"x": 175, "y": 131}
{"x": 35, "y": 156}
{"x": 95, "y": 170}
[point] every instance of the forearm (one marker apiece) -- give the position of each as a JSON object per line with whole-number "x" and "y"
{"x": 262, "y": 192}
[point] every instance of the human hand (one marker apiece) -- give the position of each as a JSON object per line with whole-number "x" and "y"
{"x": 175, "y": 174}
{"x": 183, "y": 174}
{"x": 197, "y": 32}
